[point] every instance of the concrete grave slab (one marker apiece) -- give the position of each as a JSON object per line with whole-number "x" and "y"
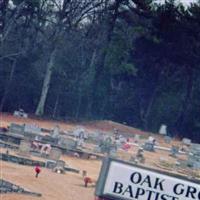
{"x": 50, "y": 164}
{"x": 186, "y": 141}
{"x": 16, "y": 128}
{"x": 55, "y": 154}
{"x": 167, "y": 139}
{"x": 149, "y": 146}
{"x": 32, "y": 129}
{"x": 24, "y": 148}
{"x": 194, "y": 156}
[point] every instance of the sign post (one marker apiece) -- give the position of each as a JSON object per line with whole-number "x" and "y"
{"x": 119, "y": 180}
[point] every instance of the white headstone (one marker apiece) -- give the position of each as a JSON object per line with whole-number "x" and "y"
{"x": 186, "y": 141}
{"x": 56, "y": 131}
{"x": 163, "y": 130}
{"x": 32, "y": 129}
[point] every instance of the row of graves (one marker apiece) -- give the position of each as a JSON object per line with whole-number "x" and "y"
{"x": 32, "y": 137}
{"x": 129, "y": 180}
{"x": 27, "y": 140}
{"x": 186, "y": 156}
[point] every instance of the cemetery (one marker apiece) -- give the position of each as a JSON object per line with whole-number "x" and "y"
{"x": 73, "y": 153}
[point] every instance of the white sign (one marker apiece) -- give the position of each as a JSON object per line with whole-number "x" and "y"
{"x": 129, "y": 182}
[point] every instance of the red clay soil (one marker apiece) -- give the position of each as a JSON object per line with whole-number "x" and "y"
{"x": 52, "y": 186}
{"x": 104, "y": 125}
{"x": 109, "y": 126}
{"x": 6, "y": 119}
{"x": 69, "y": 186}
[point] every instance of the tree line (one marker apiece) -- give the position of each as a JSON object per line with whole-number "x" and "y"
{"x": 131, "y": 61}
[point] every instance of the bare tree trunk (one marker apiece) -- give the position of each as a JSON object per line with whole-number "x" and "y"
{"x": 100, "y": 66}
{"x": 46, "y": 84}
{"x": 7, "y": 88}
{"x": 91, "y": 80}
{"x": 186, "y": 101}
{"x": 56, "y": 105}
{"x": 149, "y": 109}
{"x": 79, "y": 104}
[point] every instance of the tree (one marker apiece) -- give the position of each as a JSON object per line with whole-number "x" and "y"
{"x": 69, "y": 15}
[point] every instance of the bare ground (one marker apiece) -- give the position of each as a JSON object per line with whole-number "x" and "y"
{"x": 69, "y": 186}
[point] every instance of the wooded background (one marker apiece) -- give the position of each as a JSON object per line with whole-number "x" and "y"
{"x": 131, "y": 61}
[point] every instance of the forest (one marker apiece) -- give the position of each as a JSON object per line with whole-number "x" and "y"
{"x": 132, "y": 61}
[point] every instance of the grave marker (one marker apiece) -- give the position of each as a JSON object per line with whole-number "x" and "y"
{"x": 32, "y": 129}
{"x": 137, "y": 138}
{"x": 56, "y": 131}
{"x": 163, "y": 129}
{"x": 60, "y": 167}
{"x": 107, "y": 146}
{"x": 20, "y": 113}
{"x": 194, "y": 156}
{"x": 16, "y": 128}
{"x": 24, "y": 148}
{"x": 167, "y": 139}
{"x": 149, "y": 146}
{"x": 67, "y": 143}
{"x": 174, "y": 151}
{"x": 50, "y": 164}
{"x": 55, "y": 154}
{"x": 186, "y": 141}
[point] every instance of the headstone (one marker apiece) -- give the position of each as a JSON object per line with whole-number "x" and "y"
{"x": 113, "y": 152}
{"x": 67, "y": 143}
{"x": 174, "y": 151}
{"x": 79, "y": 132}
{"x": 137, "y": 138}
{"x": 140, "y": 156}
{"x": 24, "y": 148}
{"x": 194, "y": 156}
{"x": 116, "y": 134}
{"x": 45, "y": 149}
{"x": 94, "y": 137}
{"x": 60, "y": 167}
{"x": 16, "y": 128}
{"x": 80, "y": 142}
{"x": 106, "y": 145}
{"x": 97, "y": 149}
{"x": 32, "y": 129}
{"x": 84, "y": 173}
{"x": 149, "y": 146}
{"x": 20, "y": 113}
{"x": 163, "y": 129}
{"x": 48, "y": 139}
{"x": 55, "y": 154}
{"x": 186, "y": 141}
{"x": 38, "y": 138}
{"x": 122, "y": 139}
{"x": 167, "y": 139}
{"x": 50, "y": 164}
{"x": 151, "y": 139}
{"x": 56, "y": 131}
{"x": 60, "y": 163}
